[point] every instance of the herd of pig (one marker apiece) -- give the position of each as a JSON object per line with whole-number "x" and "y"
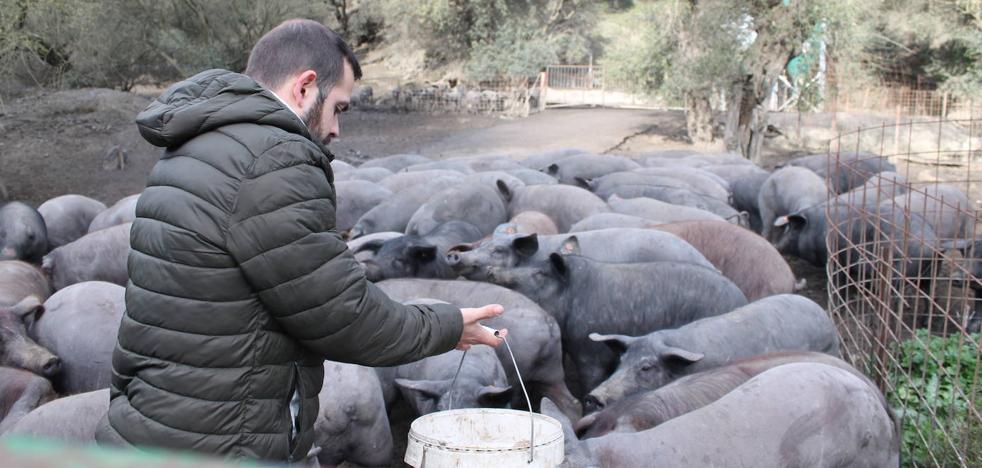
{"x": 648, "y": 305}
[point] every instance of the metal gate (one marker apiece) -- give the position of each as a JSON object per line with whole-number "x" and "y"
{"x": 589, "y": 85}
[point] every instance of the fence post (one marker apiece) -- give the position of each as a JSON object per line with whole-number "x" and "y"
{"x": 944, "y": 105}
{"x": 603, "y": 87}
{"x": 543, "y": 84}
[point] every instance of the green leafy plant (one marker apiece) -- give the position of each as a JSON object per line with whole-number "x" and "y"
{"x": 933, "y": 394}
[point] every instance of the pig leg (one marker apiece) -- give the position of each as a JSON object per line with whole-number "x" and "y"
{"x": 767, "y": 217}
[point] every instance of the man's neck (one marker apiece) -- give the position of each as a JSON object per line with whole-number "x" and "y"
{"x": 285, "y": 104}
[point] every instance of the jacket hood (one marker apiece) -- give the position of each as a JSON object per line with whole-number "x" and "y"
{"x": 213, "y": 99}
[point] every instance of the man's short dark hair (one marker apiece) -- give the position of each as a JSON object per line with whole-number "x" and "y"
{"x": 297, "y": 45}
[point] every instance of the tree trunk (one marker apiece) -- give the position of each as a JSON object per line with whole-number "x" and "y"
{"x": 698, "y": 116}
{"x": 344, "y": 18}
{"x": 698, "y": 107}
{"x": 731, "y": 125}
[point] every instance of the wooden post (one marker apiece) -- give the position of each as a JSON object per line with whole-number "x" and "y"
{"x": 603, "y": 87}
{"x": 543, "y": 84}
{"x": 528, "y": 96}
{"x": 944, "y": 105}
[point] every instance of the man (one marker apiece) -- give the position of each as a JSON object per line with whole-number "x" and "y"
{"x": 239, "y": 284}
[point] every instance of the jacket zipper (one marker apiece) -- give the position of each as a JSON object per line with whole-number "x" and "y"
{"x": 295, "y": 389}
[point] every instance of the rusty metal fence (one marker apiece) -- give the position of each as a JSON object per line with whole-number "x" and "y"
{"x": 590, "y": 85}
{"x": 905, "y": 278}
{"x": 907, "y": 102}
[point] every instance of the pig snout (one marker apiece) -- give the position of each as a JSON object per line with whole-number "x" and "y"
{"x": 457, "y": 258}
{"x": 52, "y": 367}
{"x": 32, "y": 357}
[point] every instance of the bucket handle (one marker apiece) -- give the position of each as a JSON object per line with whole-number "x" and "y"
{"x": 453, "y": 384}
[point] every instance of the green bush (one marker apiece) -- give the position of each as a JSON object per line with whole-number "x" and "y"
{"x": 638, "y": 46}
{"x": 117, "y": 43}
{"x": 931, "y": 382}
{"x": 495, "y": 38}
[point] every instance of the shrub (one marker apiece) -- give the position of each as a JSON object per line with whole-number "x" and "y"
{"x": 934, "y": 380}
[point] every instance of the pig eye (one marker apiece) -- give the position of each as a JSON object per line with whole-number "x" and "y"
{"x": 647, "y": 366}
{"x": 30, "y": 236}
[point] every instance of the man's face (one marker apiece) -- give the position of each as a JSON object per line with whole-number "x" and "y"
{"x": 323, "y": 114}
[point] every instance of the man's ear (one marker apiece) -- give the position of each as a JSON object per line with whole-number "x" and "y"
{"x": 304, "y": 89}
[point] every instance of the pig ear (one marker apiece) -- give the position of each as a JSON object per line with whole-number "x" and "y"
{"x": 423, "y": 253}
{"x": 27, "y": 307}
{"x": 505, "y": 229}
{"x": 503, "y": 188}
{"x": 558, "y": 264}
{"x": 792, "y": 219}
{"x": 582, "y": 182}
{"x": 680, "y": 356}
{"x": 373, "y": 245}
{"x": 617, "y": 343}
{"x": 526, "y": 246}
{"x": 423, "y": 388}
{"x": 570, "y": 246}
{"x": 492, "y": 396}
{"x": 48, "y": 265}
{"x": 798, "y": 219}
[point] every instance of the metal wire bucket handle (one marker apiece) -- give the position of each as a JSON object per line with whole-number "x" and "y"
{"x": 453, "y": 384}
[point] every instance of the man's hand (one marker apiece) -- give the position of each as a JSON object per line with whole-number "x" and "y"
{"x": 474, "y": 333}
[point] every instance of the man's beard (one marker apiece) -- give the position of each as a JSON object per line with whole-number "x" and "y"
{"x": 313, "y": 118}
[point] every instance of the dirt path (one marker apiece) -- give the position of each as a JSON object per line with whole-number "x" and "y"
{"x": 57, "y": 143}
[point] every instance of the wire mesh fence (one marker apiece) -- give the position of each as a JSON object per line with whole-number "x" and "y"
{"x": 905, "y": 277}
{"x": 591, "y": 85}
{"x": 908, "y": 102}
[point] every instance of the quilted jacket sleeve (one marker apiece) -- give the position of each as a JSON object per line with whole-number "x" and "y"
{"x": 281, "y": 232}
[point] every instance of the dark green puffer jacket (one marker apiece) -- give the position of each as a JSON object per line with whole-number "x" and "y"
{"x": 239, "y": 285}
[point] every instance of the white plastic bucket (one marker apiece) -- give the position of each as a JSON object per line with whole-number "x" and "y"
{"x": 482, "y": 437}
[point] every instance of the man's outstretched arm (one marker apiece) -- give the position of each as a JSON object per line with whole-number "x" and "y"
{"x": 282, "y": 234}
